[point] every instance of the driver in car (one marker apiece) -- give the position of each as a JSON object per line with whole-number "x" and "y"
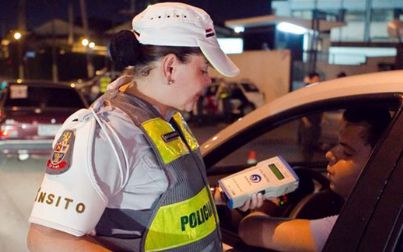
{"x": 360, "y": 129}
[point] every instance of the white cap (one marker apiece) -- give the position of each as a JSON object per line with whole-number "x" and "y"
{"x": 178, "y": 24}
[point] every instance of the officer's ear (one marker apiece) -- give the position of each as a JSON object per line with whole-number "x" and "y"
{"x": 169, "y": 63}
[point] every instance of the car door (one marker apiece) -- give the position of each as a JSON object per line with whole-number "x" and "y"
{"x": 372, "y": 217}
{"x": 277, "y": 135}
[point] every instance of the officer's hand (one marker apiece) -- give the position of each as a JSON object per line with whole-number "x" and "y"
{"x": 218, "y": 196}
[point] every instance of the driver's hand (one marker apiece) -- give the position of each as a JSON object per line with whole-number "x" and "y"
{"x": 254, "y": 202}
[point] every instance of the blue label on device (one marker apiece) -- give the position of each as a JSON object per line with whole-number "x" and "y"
{"x": 255, "y": 178}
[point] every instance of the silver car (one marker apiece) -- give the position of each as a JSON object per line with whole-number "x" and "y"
{"x": 371, "y": 218}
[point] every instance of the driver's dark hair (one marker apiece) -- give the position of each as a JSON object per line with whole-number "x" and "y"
{"x": 374, "y": 118}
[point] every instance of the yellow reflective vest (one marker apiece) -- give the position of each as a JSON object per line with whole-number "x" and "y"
{"x": 184, "y": 218}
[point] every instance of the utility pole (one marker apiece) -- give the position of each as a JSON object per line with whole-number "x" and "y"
{"x": 368, "y": 19}
{"x": 22, "y": 27}
{"x": 55, "y": 75}
{"x": 70, "y": 13}
{"x": 84, "y": 19}
{"x": 313, "y": 50}
{"x": 22, "y": 14}
{"x": 54, "y": 50}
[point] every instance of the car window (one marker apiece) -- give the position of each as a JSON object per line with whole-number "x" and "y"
{"x": 290, "y": 141}
{"x": 236, "y": 93}
{"x": 36, "y": 96}
{"x": 249, "y": 87}
{"x": 211, "y": 90}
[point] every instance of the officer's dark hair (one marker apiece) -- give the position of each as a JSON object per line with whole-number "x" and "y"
{"x": 125, "y": 50}
{"x": 375, "y": 119}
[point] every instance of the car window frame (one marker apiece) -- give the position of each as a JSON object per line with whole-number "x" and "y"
{"x": 387, "y": 205}
{"x": 394, "y": 100}
{"x": 338, "y": 241}
{"x": 266, "y": 124}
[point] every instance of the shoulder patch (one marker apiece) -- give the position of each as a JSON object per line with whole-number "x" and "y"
{"x": 60, "y": 160}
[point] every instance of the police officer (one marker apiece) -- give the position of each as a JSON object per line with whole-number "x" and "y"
{"x": 126, "y": 174}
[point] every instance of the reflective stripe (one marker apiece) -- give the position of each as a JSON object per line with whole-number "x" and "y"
{"x": 103, "y": 83}
{"x": 169, "y": 145}
{"x": 182, "y": 223}
{"x": 190, "y": 139}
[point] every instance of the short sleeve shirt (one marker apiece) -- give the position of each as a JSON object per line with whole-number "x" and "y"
{"x": 122, "y": 173}
{"x": 321, "y": 229}
{"x": 143, "y": 181}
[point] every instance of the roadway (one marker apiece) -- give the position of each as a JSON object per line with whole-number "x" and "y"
{"x": 19, "y": 181}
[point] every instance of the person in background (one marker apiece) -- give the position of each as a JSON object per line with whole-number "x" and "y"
{"x": 127, "y": 174}
{"x": 360, "y": 129}
{"x": 341, "y": 74}
{"x": 309, "y": 130}
{"x": 312, "y": 77}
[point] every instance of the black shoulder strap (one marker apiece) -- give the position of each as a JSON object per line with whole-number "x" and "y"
{"x": 137, "y": 109}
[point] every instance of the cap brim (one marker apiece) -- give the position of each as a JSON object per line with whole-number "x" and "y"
{"x": 218, "y": 59}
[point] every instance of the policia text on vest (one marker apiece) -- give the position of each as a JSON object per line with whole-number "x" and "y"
{"x": 196, "y": 218}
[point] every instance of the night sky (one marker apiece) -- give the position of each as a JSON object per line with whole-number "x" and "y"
{"x": 111, "y": 12}
{"x": 39, "y": 11}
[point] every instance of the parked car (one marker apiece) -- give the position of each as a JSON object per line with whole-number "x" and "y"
{"x": 229, "y": 100}
{"x": 31, "y": 112}
{"x": 371, "y": 219}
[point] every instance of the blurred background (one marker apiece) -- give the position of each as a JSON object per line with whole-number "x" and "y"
{"x": 67, "y": 40}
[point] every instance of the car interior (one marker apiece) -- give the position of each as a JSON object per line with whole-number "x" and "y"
{"x": 279, "y": 136}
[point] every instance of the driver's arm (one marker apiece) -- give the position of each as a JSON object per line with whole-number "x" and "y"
{"x": 41, "y": 238}
{"x": 261, "y": 230}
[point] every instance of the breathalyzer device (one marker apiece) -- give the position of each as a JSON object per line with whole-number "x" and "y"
{"x": 272, "y": 177}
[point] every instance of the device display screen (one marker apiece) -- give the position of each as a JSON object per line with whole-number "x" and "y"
{"x": 276, "y": 171}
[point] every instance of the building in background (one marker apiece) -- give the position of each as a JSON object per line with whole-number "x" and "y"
{"x": 332, "y": 36}
{"x": 365, "y": 43}
{"x": 329, "y": 36}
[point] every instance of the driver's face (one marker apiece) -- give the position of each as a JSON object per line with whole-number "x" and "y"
{"x": 347, "y": 159}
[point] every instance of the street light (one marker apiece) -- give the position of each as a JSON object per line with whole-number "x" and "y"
{"x": 18, "y": 37}
{"x": 91, "y": 45}
{"x": 85, "y": 42}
